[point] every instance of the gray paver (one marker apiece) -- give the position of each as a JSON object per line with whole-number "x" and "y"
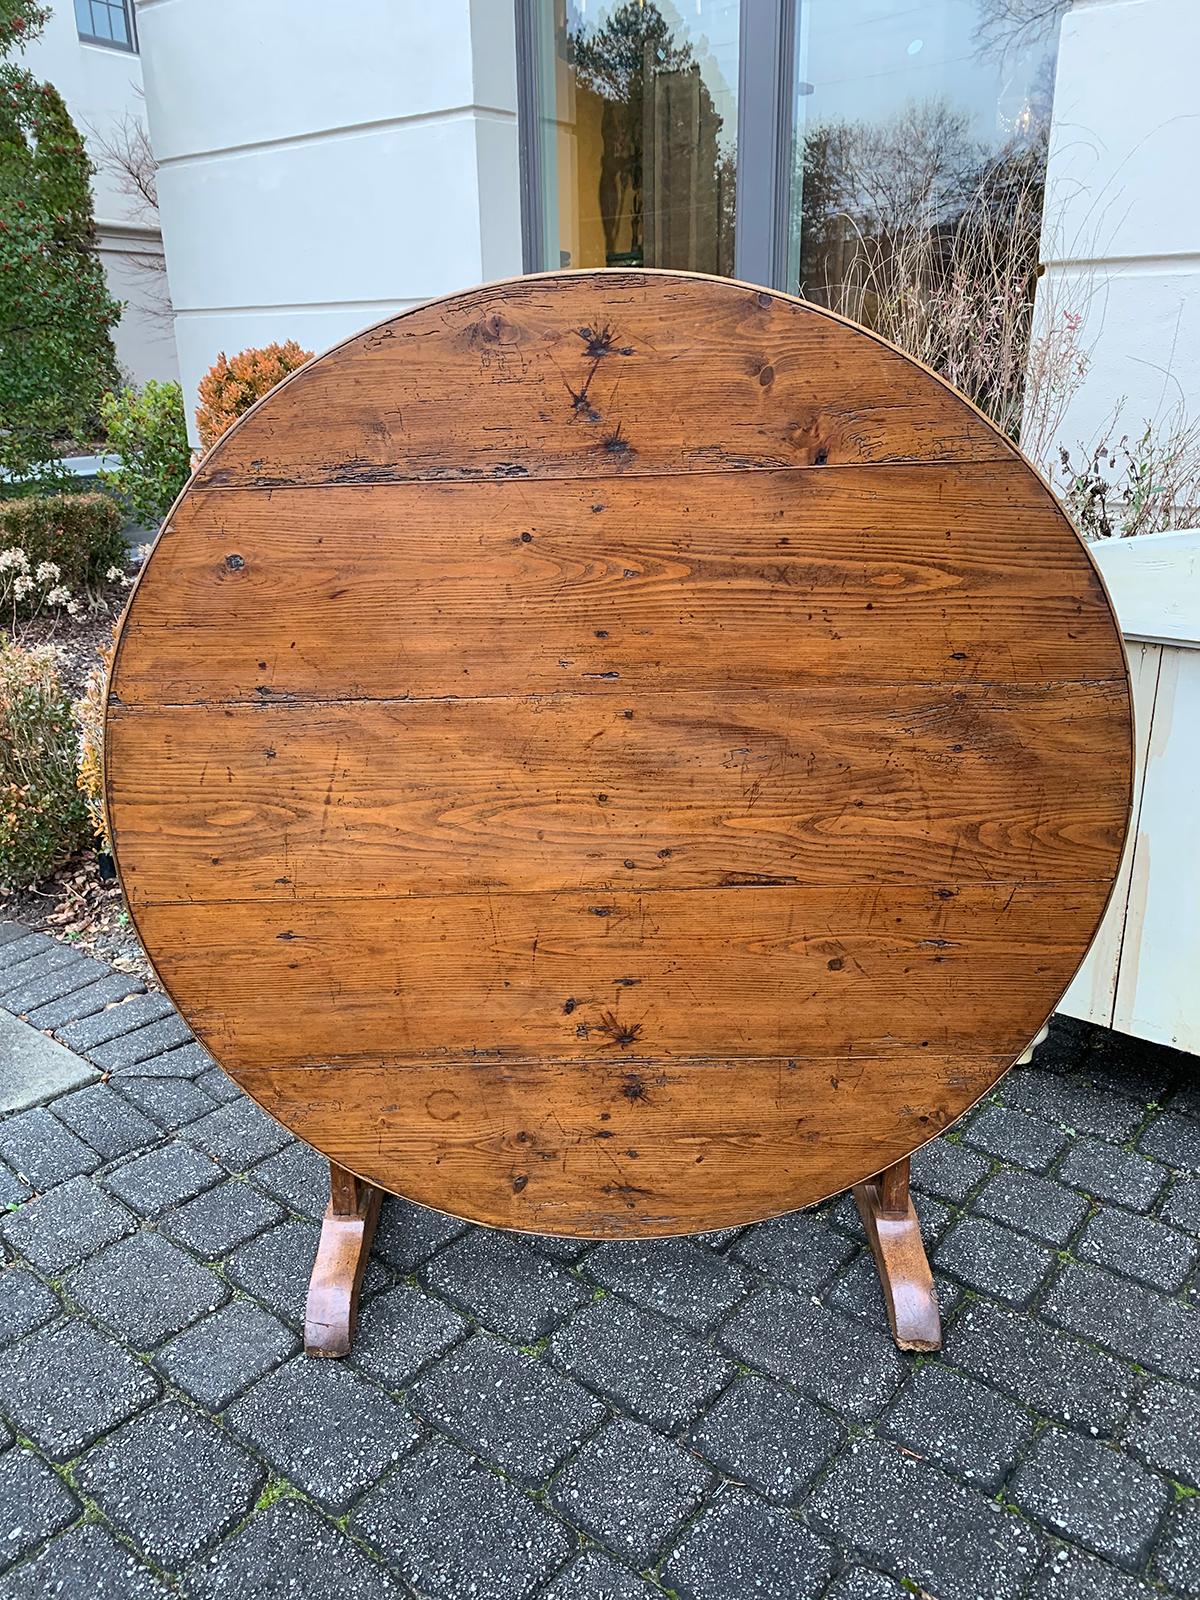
{"x": 409, "y": 1234}
{"x": 289, "y": 1550}
{"x": 1034, "y": 1204}
{"x": 948, "y": 1170}
{"x": 1139, "y": 1247}
{"x": 34, "y": 1503}
{"x": 225, "y": 1352}
{"x": 508, "y": 1407}
{"x": 17, "y": 976}
{"x": 451, "y": 1529}
{"x": 144, "y": 1289}
{"x": 1106, "y": 1172}
{"x": 66, "y": 1384}
{"x": 84, "y": 1561}
{"x": 221, "y": 1219}
{"x": 852, "y": 1368}
{"x": 297, "y": 1176}
{"x": 114, "y": 1020}
{"x": 1127, "y": 1318}
{"x": 994, "y": 1260}
{"x": 172, "y": 1481}
{"x": 25, "y": 1304}
{"x": 596, "y": 1576}
{"x": 949, "y": 1539}
{"x": 1072, "y": 1574}
{"x": 860, "y": 1583}
{"x": 33, "y": 1068}
{"x": 1092, "y": 1495}
{"x": 1013, "y": 1136}
{"x": 799, "y": 1249}
{"x": 740, "y": 1547}
{"x": 162, "y": 1178}
{"x": 506, "y": 1284}
{"x": 1073, "y": 1101}
{"x": 127, "y": 1049}
{"x": 237, "y": 1134}
{"x": 39, "y": 1149}
{"x": 171, "y": 1102}
{"x": 63, "y": 980}
{"x": 653, "y": 1368}
{"x": 760, "y": 1434}
{"x": 102, "y": 1119}
{"x": 678, "y": 1278}
{"x": 323, "y": 1428}
{"x": 1182, "y": 1206}
{"x": 275, "y": 1268}
{"x": 959, "y": 1425}
{"x": 185, "y": 1060}
{"x": 1173, "y": 1139}
{"x": 59, "y": 1229}
{"x": 1178, "y": 1557}
{"x": 630, "y": 1489}
{"x": 1164, "y": 1431}
{"x": 400, "y": 1332}
{"x": 87, "y": 1002}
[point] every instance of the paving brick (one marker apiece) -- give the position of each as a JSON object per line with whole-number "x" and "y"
{"x": 504, "y": 1283}
{"x": 42, "y": 1151}
{"x": 1073, "y": 1102}
{"x": 59, "y": 1229}
{"x": 34, "y": 1503}
{"x": 1041, "y": 1367}
{"x": 171, "y": 1102}
{"x": 16, "y": 976}
{"x": 959, "y": 1425}
{"x": 595, "y": 1576}
{"x": 14, "y": 1191}
{"x": 219, "y": 1085}
{"x": 1013, "y": 1136}
{"x": 84, "y": 1561}
{"x": 64, "y": 979}
{"x": 1178, "y": 1556}
{"x": 1164, "y": 1431}
{"x": 400, "y": 1332}
{"x": 762, "y": 1435}
{"x": 508, "y": 1407}
{"x": 994, "y": 1260}
{"x": 678, "y": 1278}
{"x": 267, "y": 1557}
{"x": 275, "y": 1268}
{"x": 1068, "y": 1573}
{"x": 630, "y": 1489}
{"x": 143, "y": 1289}
{"x": 172, "y": 1481}
{"x": 90, "y": 1032}
{"x": 221, "y": 1219}
{"x": 1105, "y": 1172}
{"x": 650, "y": 1367}
{"x": 945, "y": 1536}
{"x": 1174, "y": 1139}
{"x": 799, "y": 1249}
{"x": 87, "y": 1002}
{"x": 849, "y": 1367}
{"x": 858, "y": 1291}
{"x": 225, "y": 1352}
{"x": 739, "y": 1547}
{"x": 409, "y": 1234}
{"x": 1133, "y": 1321}
{"x": 1139, "y": 1247}
{"x": 1092, "y": 1495}
{"x": 297, "y": 1176}
{"x": 859, "y": 1583}
{"x": 559, "y": 1249}
{"x": 10, "y": 932}
{"x": 163, "y": 1177}
{"x": 1182, "y": 1205}
{"x": 1034, "y": 1204}
{"x": 102, "y": 1119}
{"x": 186, "y": 1059}
{"x": 453, "y": 1529}
{"x": 127, "y": 1050}
{"x": 949, "y": 1170}
{"x": 66, "y": 1384}
{"x": 237, "y": 1134}
{"x": 323, "y": 1428}
{"x": 25, "y": 1304}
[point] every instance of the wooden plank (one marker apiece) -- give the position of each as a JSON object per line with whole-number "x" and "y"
{"x": 771, "y": 578}
{"x": 822, "y": 786}
{"x": 598, "y": 1148}
{"x": 669, "y": 973}
{"x": 553, "y": 377}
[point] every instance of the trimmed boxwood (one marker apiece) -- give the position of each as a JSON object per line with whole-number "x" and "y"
{"x": 81, "y": 533}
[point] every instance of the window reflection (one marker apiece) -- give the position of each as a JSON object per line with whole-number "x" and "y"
{"x": 638, "y": 153}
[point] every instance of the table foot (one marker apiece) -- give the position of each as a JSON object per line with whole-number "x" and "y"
{"x": 894, "y": 1234}
{"x": 331, "y": 1310}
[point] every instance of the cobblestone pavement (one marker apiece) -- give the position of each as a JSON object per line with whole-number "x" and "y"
{"x": 716, "y": 1419}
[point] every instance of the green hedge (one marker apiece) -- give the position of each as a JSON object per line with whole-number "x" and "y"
{"x": 81, "y": 533}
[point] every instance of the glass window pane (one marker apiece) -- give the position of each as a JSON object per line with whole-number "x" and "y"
{"x": 118, "y": 21}
{"x": 638, "y": 130}
{"x": 919, "y": 162}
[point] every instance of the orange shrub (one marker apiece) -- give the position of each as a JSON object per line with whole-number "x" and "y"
{"x": 232, "y": 385}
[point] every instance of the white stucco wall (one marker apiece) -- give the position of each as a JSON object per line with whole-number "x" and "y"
{"x": 1122, "y": 234}
{"x": 102, "y": 87}
{"x": 320, "y": 167}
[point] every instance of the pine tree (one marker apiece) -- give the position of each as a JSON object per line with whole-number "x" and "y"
{"x": 56, "y": 314}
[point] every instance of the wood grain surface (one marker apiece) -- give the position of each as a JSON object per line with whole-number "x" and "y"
{"x": 617, "y": 753}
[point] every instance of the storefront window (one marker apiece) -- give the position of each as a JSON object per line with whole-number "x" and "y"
{"x": 637, "y": 132}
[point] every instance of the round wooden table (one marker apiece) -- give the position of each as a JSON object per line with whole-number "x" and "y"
{"x": 616, "y": 754}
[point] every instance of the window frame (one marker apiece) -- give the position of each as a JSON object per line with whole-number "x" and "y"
{"x": 128, "y": 8}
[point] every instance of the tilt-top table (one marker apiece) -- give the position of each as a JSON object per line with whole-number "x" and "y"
{"x": 617, "y": 754}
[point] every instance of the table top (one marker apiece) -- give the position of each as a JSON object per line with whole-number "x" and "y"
{"x": 617, "y": 753}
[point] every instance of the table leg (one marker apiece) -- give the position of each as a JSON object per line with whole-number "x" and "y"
{"x": 894, "y": 1234}
{"x": 342, "y": 1255}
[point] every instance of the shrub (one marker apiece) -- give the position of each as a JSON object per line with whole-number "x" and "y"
{"x": 149, "y": 433}
{"x": 89, "y": 718}
{"x": 43, "y": 816}
{"x": 230, "y": 387}
{"x": 80, "y": 534}
{"x": 56, "y": 314}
